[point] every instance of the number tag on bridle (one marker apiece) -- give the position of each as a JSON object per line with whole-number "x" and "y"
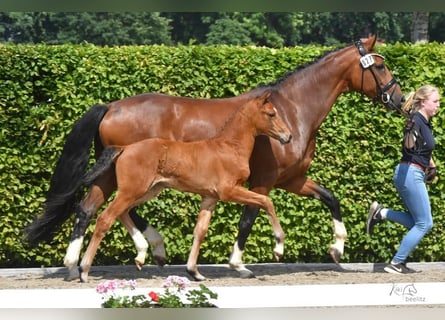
{"x": 367, "y": 61}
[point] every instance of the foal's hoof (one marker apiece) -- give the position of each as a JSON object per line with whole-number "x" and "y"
{"x": 138, "y": 264}
{"x": 83, "y": 276}
{"x": 277, "y": 256}
{"x": 335, "y": 254}
{"x": 83, "y": 279}
{"x": 246, "y": 274}
{"x": 196, "y": 275}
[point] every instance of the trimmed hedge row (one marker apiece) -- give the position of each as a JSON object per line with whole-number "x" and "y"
{"x": 44, "y": 89}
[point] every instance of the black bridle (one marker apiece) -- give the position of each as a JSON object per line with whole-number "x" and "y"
{"x": 366, "y": 62}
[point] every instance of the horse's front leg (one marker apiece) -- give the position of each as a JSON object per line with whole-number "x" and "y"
{"x": 98, "y": 194}
{"x": 199, "y": 233}
{"x": 244, "y": 228}
{"x": 243, "y": 196}
{"x": 306, "y": 187}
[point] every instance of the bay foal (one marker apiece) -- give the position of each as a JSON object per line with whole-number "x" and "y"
{"x": 215, "y": 168}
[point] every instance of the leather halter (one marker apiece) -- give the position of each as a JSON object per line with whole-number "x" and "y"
{"x": 382, "y": 92}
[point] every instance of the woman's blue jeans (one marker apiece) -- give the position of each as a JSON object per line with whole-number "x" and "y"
{"x": 410, "y": 184}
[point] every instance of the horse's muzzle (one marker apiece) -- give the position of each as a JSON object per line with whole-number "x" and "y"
{"x": 285, "y": 139}
{"x": 396, "y": 105}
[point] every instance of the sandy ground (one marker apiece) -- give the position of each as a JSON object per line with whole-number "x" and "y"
{"x": 221, "y": 275}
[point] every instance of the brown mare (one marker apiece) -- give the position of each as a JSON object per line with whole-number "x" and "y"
{"x": 303, "y": 97}
{"x": 215, "y": 168}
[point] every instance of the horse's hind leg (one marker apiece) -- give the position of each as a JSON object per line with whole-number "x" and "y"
{"x": 98, "y": 194}
{"x": 153, "y": 237}
{"x": 199, "y": 233}
{"x": 306, "y": 187}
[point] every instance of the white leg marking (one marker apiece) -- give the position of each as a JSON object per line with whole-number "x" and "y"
{"x": 141, "y": 246}
{"x": 340, "y": 235}
{"x": 73, "y": 253}
{"x": 279, "y": 249}
{"x": 236, "y": 262}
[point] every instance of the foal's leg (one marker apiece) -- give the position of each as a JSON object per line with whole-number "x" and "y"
{"x": 306, "y": 187}
{"x": 134, "y": 223}
{"x": 131, "y": 191}
{"x": 199, "y": 233}
{"x": 104, "y": 222}
{"x": 98, "y": 194}
{"x": 138, "y": 239}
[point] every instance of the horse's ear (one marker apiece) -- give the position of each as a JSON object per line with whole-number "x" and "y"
{"x": 266, "y": 96}
{"x": 370, "y": 41}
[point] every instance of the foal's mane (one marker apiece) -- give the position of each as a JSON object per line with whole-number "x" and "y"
{"x": 238, "y": 110}
{"x": 299, "y": 68}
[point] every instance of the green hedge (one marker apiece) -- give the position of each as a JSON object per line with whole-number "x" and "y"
{"x": 44, "y": 89}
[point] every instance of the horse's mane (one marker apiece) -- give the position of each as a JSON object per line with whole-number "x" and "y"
{"x": 299, "y": 68}
{"x": 271, "y": 85}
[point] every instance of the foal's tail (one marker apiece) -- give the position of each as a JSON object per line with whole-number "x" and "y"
{"x": 66, "y": 182}
{"x": 102, "y": 164}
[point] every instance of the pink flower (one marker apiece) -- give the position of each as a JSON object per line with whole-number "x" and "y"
{"x": 176, "y": 281}
{"x": 100, "y": 288}
{"x": 112, "y": 285}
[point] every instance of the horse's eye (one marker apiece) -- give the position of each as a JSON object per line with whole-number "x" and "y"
{"x": 272, "y": 115}
{"x": 380, "y": 67}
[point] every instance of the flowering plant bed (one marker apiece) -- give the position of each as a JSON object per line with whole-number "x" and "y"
{"x": 117, "y": 294}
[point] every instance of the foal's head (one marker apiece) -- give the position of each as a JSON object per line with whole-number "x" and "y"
{"x": 264, "y": 116}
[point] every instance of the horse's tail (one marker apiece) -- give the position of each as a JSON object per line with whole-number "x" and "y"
{"x": 66, "y": 180}
{"x": 102, "y": 164}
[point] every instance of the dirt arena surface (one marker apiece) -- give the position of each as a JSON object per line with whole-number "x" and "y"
{"x": 221, "y": 275}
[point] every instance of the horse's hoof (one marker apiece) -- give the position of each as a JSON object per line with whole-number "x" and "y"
{"x": 138, "y": 264}
{"x": 83, "y": 276}
{"x": 246, "y": 274}
{"x": 196, "y": 275}
{"x": 71, "y": 277}
{"x": 73, "y": 274}
{"x": 160, "y": 261}
{"x": 335, "y": 254}
{"x": 277, "y": 256}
